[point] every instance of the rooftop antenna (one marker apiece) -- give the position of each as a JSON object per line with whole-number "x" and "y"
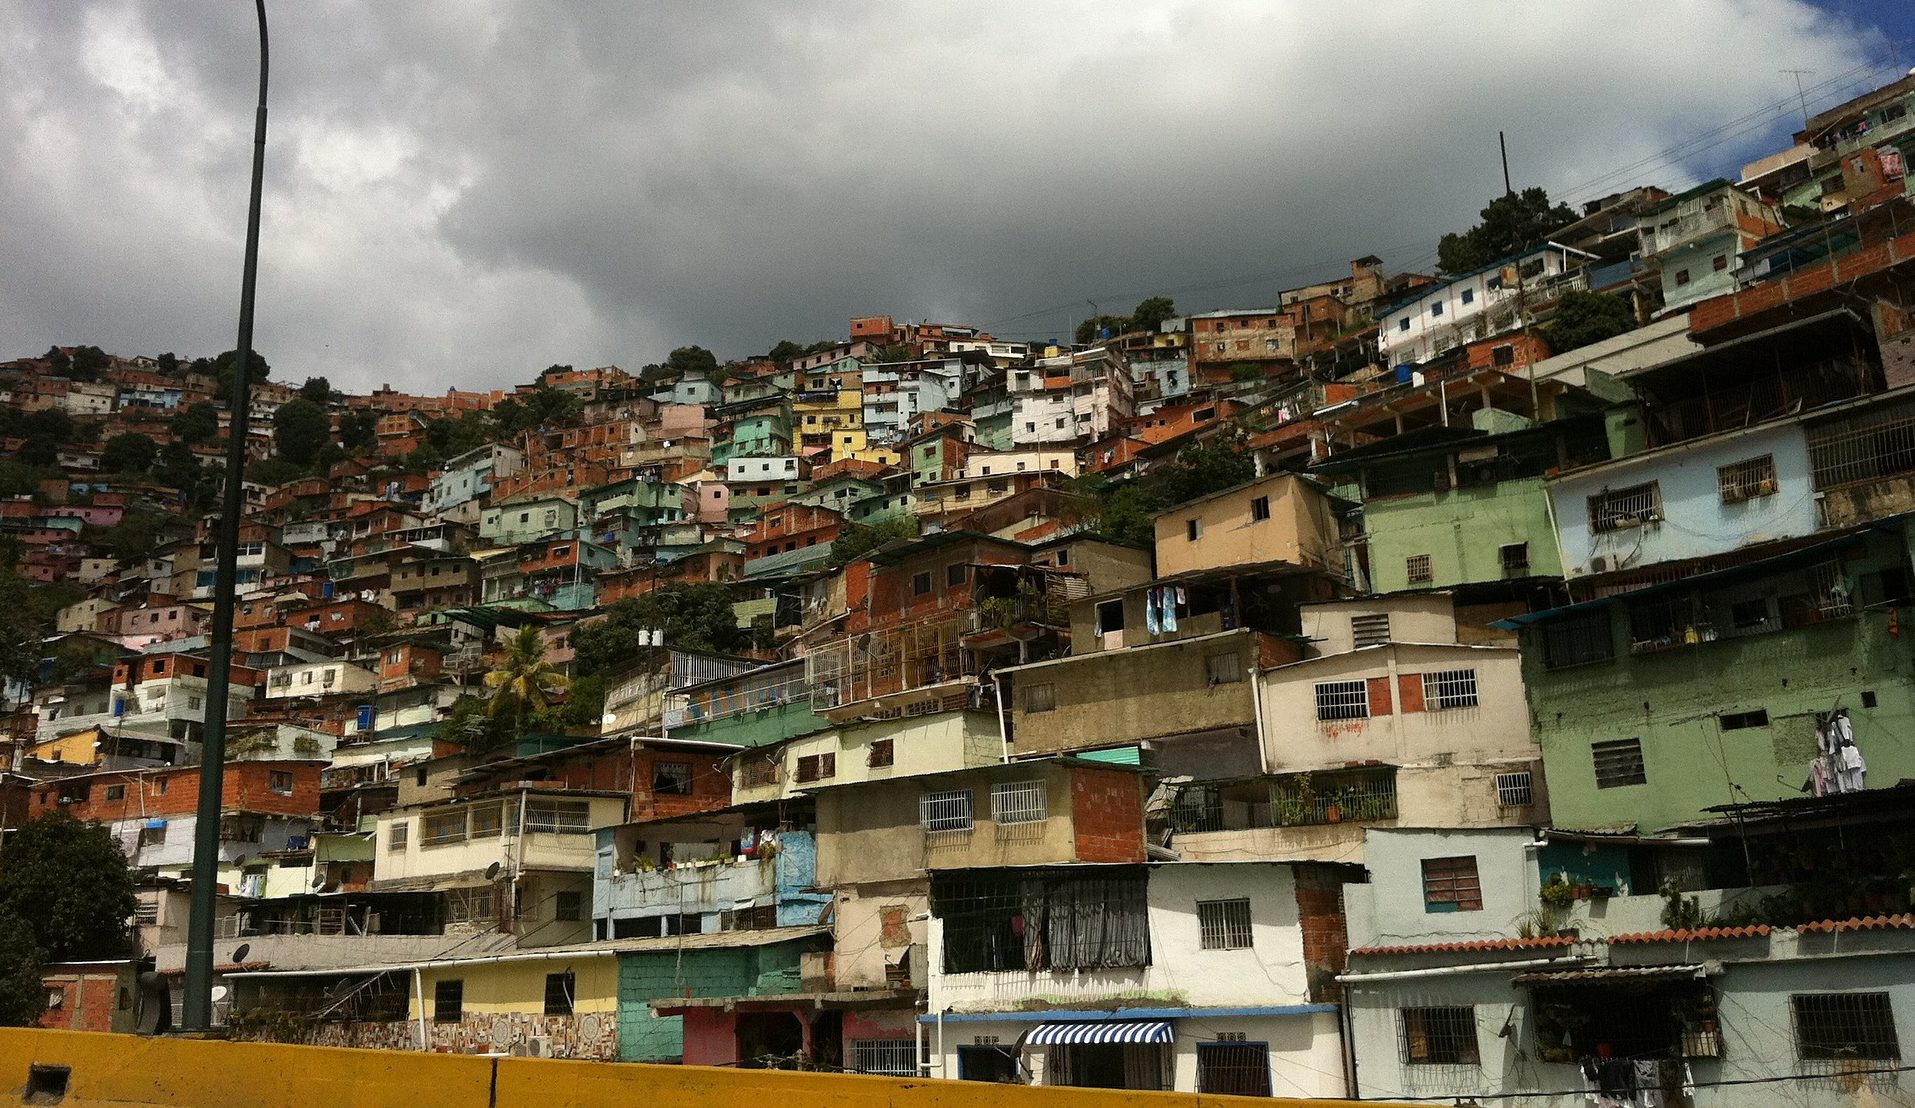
{"x": 1801, "y": 95}
{"x": 1503, "y": 145}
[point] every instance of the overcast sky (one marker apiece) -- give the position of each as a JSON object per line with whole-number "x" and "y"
{"x": 465, "y": 192}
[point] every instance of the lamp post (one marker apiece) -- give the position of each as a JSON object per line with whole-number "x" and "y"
{"x": 197, "y": 1014}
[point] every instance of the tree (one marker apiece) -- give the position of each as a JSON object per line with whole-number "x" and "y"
{"x": 859, "y": 539}
{"x": 128, "y": 453}
{"x": 692, "y": 617}
{"x": 692, "y": 361}
{"x": 49, "y": 423}
{"x": 300, "y": 428}
{"x": 1151, "y": 314}
{"x": 67, "y": 879}
{"x": 40, "y": 450}
{"x": 1585, "y": 317}
{"x": 221, "y": 369}
{"x": 197, "y": 422}
{"x": 317, "y": 389}
{"x": 1128, "y": 510}
{"x": 273, "y": 472}
{"x": 169, "y": 363}
{"x": 358, "y": 430}
{"x": 785, "y": 351}
{"x": 86, "y": 363}
{"x": 1512, "y": 222}
{"x": 1090, "y": 330}
{"x": 26, "y": 618}
{"x": 544, "y": 406}
{"x": 135, "y": 535}
{"x": 23, "y": 995}
{"x": 525, "y": 683}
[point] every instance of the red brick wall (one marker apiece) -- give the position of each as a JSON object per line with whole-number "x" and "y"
{"x": 1379, "y": 696}
{"x": 1409, "y": 688}
{"x": 88, "y": 1000}
{"x": 1325, "y": 939}
{"x": 175, "y": 792}
{"x": 1107, "y": 812}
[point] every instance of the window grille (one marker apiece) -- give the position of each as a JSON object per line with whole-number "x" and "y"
{"x": 889, "y": 1057}
{"x": 1223, "y": 924}
{"x": 279, "y": 781}
{"x": 1417, "y": 568}
{"x": 1439, "y": 1036}
{"x": 1452, "y": 885}
{"x": 568, "y": 906}
{"x": 469, "y": 906}
{"x": 560, "y": 989}
{"x": 146, "y": 912}
{"x": 1233, "y": 1068}
{"x": 1223, "y": 669}
{"x": 1515, "y": 789}
{"x": 1746, "y": 480}
{"x": 1449, "y": 688}
{"x": 1040, "y": 698}
{"x": 881, "y": 753}
{"x": 945, "y": 811}
{"x": 1343, "y": 700}
{"x": 1018, "y": 802}
{"x": 1619, "y": 763}
{"x": 816, "y": 767}
{"x": 1578, "y": 641}
{"x": 1370, "y": 630}
{"x": 673, "y": 778}
{"x": 1830, "y": 590}
{"x": 1515, "y": 558}
{"x": 558, "y": 817}
{"x": 441, "y": 828}
{"x": 1837, "y": 1027}
{"x": 485, "y": 822}
{"x": 1615, "y": 509}
{"x": 448, "y": 1001}
{"x": 1863, "y": 447}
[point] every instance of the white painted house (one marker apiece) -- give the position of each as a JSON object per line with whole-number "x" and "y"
{"x": 1436, "y": 319}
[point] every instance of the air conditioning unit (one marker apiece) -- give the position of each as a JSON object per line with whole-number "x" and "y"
{"x": 538, "y": 1046}
{"x": 1602, "y": 563}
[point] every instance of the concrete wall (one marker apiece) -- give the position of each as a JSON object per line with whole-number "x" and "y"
{"x": 1114, "y": 697}
{"x": 736, "y": 971}
{"x": 1299, "y": 529}
{"x": 873, "y": 925}
{"x": 1414, "y": 618}
{"x": 1462, "y": 531}
{"x": 1389, "y": 909}
{"x": 935, "y": 743}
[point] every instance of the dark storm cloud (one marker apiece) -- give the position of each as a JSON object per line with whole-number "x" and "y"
{"x": 466, "y": 192}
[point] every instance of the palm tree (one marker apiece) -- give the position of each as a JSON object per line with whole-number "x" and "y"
{"x": 524, "y": 681}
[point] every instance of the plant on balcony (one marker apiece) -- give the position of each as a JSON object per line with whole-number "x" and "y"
{"x": 1293, "y": 803}
{"x": 998, "y": 611}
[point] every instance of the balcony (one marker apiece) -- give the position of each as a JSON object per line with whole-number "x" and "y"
{"x": 774, "y": 876}
{"x": 1000, "y": 620}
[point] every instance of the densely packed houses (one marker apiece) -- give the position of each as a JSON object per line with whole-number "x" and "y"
{"x": 1399, "y": 690}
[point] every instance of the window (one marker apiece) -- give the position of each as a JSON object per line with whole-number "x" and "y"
{"x": 1193, "y": 529}
{"x": 1371, "y": 629}
{"x": 1018, "y": 802}
{"x": 1417, "y": 568}
{"x": 1619, "y": 763}
{"x": 920, "y": 584}
{"x": 153, "y": 835}
{"x": 1449, "y": 688}
{"x": 1502, "y": 355}
{"x": 560, "y": 988}
{"x": 672, "y": 778}
{"x": 1233, "y": 1067}
{"x": 448, "y": 1001}
{"x": 116, "y": 792}
{"x": 485, "y": 822}
{"x": 1451, "y": 885}
{"x": 1682, "y": 276}
{"x": 1632, "y": 506}
{"x": 956, "y": 573}
{"x": 1842, "y": 1027}
{"x": 1223, "y": 669}
{"x": 1343, "y": 700}
{"x": 1439, "y": 1036}
{"x": 1515, "y": 789}
{"x": 880, "y": 754}
{"x": 1260, "y": 509}
{"x": 280, "y": 781}
{"x": 443, "y": 827}
{"x": 398, "y": 836}
{"x": 1720, "y": 263}
{"x": 986, "y": 1061}
{"x": 1469, "y": 296}
{"x": 1746, "y": 480}
{"x": 1403, "y": 324}
{"x": 1223, "y": 924}
{"x": 1040, "y": 698}
{"x": 568, "y": 906}
{"x": 1436, "y": 309}
{"x": 558, "y": 817}
{"x": 1737, "y": 721}
{"x": 945, "y": 811}
{"x": 1578, "y": 641}
{"x": 816, "y": 767}
{"x": 1515, "y": 559}
{"x": 1110, "y": 616}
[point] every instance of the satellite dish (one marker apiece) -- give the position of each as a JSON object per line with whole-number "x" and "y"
{"x": 220, "y": 992}
{"x": 492, "y": 871}
{"x": 241, "y": 951}
{"x": 240, "y": 861}
{"x": 319, "y": 882}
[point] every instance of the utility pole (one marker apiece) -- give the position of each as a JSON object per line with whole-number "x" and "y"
{"x": 198, "y": 1010}
{"x": 1801, "y": 95}
{"x": 1503, "y": 145}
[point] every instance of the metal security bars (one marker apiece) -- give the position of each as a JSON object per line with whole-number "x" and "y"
{"x": 1449, "y": 688}
{"x": 1515, "y": 559}
{"x": 1515, "y": 789}
{"x": 1417, "y": 569}
{"x": 1343, "y": 700}
{"x": 1018, "y": 802}
{"x": 887, "y": 1057}
{"x": 1439, "y": 1036}
{"x": 1631, "y": 506}
{"x": 1353, "y": 796}
{"x": 1041, "y": 921}
{"x": 1746, "y": 480}
{"x": 1233, "y": 1068}
{"x": 946, "y": 811}
{"x": 1839, "y": 1027}
{"x": 1577, "y": 641}
{"x": 1619, "y": 763}
{"x": 1223, "y": 924}
{"x": 1864, "y": 447}
{"x": 558, "y": 817}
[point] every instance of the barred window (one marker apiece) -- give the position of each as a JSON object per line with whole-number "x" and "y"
{"x": 1577, "y": 641}
{"x": 1515, "y": 559}
{"x": 672, "y": 778}
{"x": 1843, "y": 1026}
{"x": 949, "y": 810}
{"x": 397, "y": 836}
{"x": 1451, "y": 885}
{"x": 1223, "y": 924}
{"x": 1417, "y": 568}
{"x": 1233, "y": 1068}
{"x": 443, "y": 827}
{"x": 1439, "y": 1036}
{"x": 1018, "y": 802}
{"x": 1619, "y": 763}
{"x": 1343, "y": 700}
{"x": 1223, "y": 669}
{"x": 560, "y": 989}
{"x": 1370, "y": 630}
{"x": 816, "y": 767}
{"x": 889, "y": 1057}
{"x": 1615, "y": 509}
{"x": 1746, "y": 480}
{"x": 1449, "y": 688}
{"x": 559, "y": 817}
{"x": 448, "y": 1001}
{"x": 485, "y": 822}
{"x": 1040, "y": 698}
{"x": 1515, "y": 789}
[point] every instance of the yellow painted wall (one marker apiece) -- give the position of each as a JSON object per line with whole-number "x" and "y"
{"x": 503, "y": 987}
{"x": 124, "y": 1070}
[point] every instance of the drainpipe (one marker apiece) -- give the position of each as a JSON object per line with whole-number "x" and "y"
{"x": 1256, "y": 708}
{"x": 419, "y": 990}
{"x": 1452, "y": 971}
{"x": 1003, "y": 737}
{"x": 1348, "y": 1026}
{"x": 924, "y": 1067}
{"x": 941, "y": 1042}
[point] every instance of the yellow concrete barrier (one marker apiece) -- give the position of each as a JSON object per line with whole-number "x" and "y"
{"x": 125, "y": 1070}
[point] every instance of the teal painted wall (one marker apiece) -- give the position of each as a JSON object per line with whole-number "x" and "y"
{"x": 653, "y": 975}
{"x": 757, "y": 726}
{"x": 1463, "y": 531}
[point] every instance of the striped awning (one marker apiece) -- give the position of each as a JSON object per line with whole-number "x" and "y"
{"x": 1101, "y": 1031}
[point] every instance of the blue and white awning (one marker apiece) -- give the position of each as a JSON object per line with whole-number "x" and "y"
{"x": 1101, "y": 1031}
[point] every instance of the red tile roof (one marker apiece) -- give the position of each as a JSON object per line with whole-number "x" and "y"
{"x": 1544, "y": 942}
{"x": 1700, "y": 934}
{"x": 1872, "y": 923}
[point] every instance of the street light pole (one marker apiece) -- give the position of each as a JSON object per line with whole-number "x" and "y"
{"x": 197, "y": 1014}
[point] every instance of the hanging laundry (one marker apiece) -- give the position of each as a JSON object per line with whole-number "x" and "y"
{"x": 1151, "y": 620}
{"x": 1172, "y": 598}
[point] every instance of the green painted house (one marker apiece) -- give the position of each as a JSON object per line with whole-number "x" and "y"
{"x": 720, "y": 964}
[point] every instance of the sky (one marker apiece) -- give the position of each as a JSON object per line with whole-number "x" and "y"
{"x": 462, "y": 193}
